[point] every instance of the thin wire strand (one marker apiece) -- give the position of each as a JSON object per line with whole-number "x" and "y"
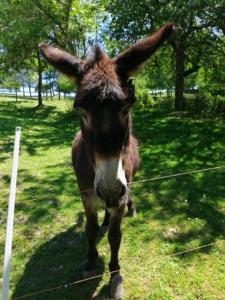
{"x": 147, "y": 180}
{"x": 167, "y": 176}
{"x": 196, "y": 248}
{"x": 178, "y": 174}
{"x": 171, "y": 255}
{"x": 64, "y": 285}
{"x": 101, "y": 275}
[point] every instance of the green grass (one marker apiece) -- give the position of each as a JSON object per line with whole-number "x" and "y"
{"x": 173, "y": 215}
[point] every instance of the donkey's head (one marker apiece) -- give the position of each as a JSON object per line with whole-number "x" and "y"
{"x": 104, "y": 97}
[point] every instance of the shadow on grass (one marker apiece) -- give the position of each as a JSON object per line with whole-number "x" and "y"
{"x": 41, "y": 196}
{"x": 59, "y": 262}
{"x": 41, "y": 128}
{"x": 169, "y": 144}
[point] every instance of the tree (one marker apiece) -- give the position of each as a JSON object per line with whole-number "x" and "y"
{"x": 67, "y": 24}
{"x": 11, "y": 85}
{"x": 21, "y": 29}
{"x": 197, "y": 23}
{"x": 65, "y": 85}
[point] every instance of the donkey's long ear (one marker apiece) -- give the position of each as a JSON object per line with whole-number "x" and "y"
{"x": 128, "y": 61}
{"x": 61, "y": 60}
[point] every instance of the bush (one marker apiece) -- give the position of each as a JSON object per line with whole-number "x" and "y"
{"x": 144, "y": 99}
{"x": 206, "y": 103}
{"x": 142, "y": 93}
{"x": 65, "y": 84}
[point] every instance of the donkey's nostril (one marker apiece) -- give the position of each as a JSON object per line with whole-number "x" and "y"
{"x": 111, "y": 193}
{"x": 123, "y": 191}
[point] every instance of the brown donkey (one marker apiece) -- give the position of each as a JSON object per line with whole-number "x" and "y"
{"x": 104, "y": 153}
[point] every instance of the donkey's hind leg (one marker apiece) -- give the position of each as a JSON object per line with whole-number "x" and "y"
{"x": 105, "y": 222}
{"x": 131, "y": 208}
{"x": 92, "y": 229}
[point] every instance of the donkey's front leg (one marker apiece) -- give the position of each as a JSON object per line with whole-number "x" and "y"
{"x": 114, "y": 236}
{"x": 92, "y": 229}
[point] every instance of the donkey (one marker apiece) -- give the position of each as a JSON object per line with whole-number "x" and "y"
{"x": 104, "y": 151}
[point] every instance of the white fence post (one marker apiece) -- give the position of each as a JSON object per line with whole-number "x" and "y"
{"x": 9, "y": 230}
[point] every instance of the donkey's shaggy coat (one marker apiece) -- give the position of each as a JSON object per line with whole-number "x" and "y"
{"x": 104, "y": 153}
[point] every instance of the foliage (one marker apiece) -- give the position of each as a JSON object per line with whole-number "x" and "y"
{"x": 142, "y": 93}
{"x": 205, "y": 103}
{"x": 65, "y": 85}
{"x": 198, "y": 30}
{"x": 68, "y": 24}
{"x": 210, "y": 82}
{"x": 11, "y": 85}
{"x": 159, "y": 71}
{"x": 21, "y": 29}
{"x": 211, "y": 77}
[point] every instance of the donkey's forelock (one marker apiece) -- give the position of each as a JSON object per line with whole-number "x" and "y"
{"x": 97, "y": 85}
{"x": 96, "y": 54}
{"x": 101, "y": 79}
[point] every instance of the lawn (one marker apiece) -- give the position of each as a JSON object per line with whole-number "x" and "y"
{"x": 173, "y": 214}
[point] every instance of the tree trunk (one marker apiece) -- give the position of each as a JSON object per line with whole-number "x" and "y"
{"x": 50, "y": 92}
{"x": 29, "y": 87}
{"x": 59, "y": 94}
{"x": 39, "y": 80}
{"x": 23, "y": 90}
{"x": 179, "y": 87}
{"x": 84, "y": 45}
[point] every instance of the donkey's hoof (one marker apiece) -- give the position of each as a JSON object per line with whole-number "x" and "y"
{"x": 116, "y": 287}
{"x": 89, "y": 273}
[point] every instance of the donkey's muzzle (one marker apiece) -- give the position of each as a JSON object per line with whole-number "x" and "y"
{"x": 112, "y": 195}
{"x": 110, "y": 180}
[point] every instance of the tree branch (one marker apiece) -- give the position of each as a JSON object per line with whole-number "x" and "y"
{"x": 211, "y": 23}
{"x": 173, "y": 44}
{"x": 191, "y": 70}
{"x": 48, "y": 15}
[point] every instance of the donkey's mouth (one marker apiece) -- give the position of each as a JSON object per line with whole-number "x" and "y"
{"x": 110, "y": 200}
